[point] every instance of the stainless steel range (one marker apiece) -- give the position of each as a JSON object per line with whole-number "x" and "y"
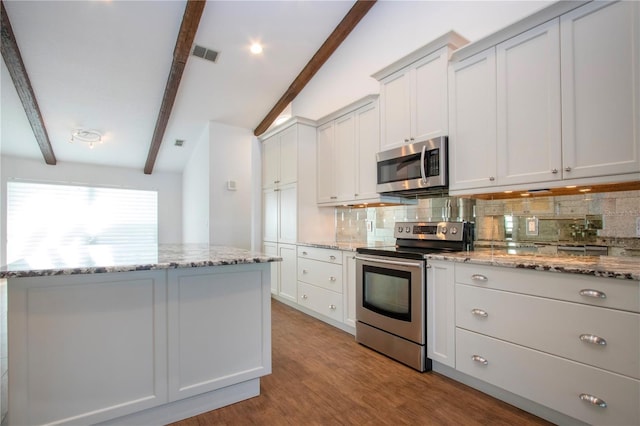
{"x": 391, "y": 296}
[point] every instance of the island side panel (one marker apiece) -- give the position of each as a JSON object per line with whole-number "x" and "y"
{"x": 86, "y": 348}
{"x": 219, "y": 327}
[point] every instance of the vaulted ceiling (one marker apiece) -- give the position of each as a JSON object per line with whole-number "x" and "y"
{"x": 104, "y": 65}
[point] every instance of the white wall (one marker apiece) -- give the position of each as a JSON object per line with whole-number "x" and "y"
{"x": 231, "y": 212}
{"x": 168, "y": 185}
{"x": 391, "y": 30}
{"x": 195, "y": 193}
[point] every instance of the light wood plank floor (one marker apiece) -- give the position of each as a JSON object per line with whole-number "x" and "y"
{"x": 321, "y": 376}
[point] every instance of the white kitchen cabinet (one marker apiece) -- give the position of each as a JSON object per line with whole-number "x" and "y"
{"x": 413, "y": 94}
{"x": 287, "y": 285}
{"x": 271, "y": 249}
{"x": 280, "y": 214}
{"x": 280, "y": 153}
{"x": 472, "y": 122}
{"x": 600, "y": 44}
{"x": 566, "y": 106}
{"x": 349, "y": 280}
{"x": 320, "y": 286}
{"x": 581, "y": 333}
{"x": 528, "y": 106}
{"x": 348, "y": 141}
{"x": 441, "y": 326}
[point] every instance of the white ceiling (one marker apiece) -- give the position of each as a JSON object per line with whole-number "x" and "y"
{"x": 104, "y": 65}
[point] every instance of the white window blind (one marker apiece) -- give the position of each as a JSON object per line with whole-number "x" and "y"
{"x": 51, "y": 225}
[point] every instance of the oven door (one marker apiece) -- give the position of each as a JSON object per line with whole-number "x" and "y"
{"x": 390, "y": 295}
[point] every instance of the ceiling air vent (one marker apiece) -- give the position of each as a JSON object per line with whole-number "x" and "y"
{"x": 179, "y": 142}
{"x": 204, "y": 53}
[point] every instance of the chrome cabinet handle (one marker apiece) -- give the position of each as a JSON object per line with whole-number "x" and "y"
{"x": 406, "y": 140}
{"x": 332, "y": 278}
{"x": 479, "y": 359}
{"x": 304, "y": 297}
{"x": 554, "y": 171}
{"x": 276, "y": 181}
{"x": 332, "y": 257}
{"x": 587, "y": 292}
{"x": 332, "y": 307}
{"x": 590, "y": 338}
{"x": 333, "y": 197}
{"x": 478, "y": 277}
{"x": 304, "y": 253}
{"x": 479, "y": 313}
{"x": 593, "y": 400}
{"x": 276, "y": 190}
{"x": 491, "y": 178}
{"x": 423, "y": 172}
{"x": 567, "y": 169}
{"x": 355, "y": 195}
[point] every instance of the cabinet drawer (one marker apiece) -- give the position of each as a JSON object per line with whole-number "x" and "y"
{"x": 325, "y": 302}
{"x": 553, "y": 326}
{"x": 548, "y": 380}
{"x": 322, "y": 274}
{"x": 325, "y": 255}
{"x": 606, "y": 292}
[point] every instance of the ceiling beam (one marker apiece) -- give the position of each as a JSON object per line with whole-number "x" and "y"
{"x": 190, "y": 21}
{"x": 18, "y": 72}
{"x": 339, "y": 34}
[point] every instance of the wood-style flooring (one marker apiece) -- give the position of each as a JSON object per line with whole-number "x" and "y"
{"x": 321, "y": 376}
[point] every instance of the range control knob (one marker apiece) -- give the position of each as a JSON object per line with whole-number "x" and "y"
{"x": 407, "y": 229}
{"x": 444, "y": 229}
{"x": 400, "y": 229}
{"x": 454, "y": 230}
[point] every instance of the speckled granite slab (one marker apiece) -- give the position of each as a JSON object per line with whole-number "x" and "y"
{"x": 627, "y": 268}
{"x": 166, "y": 257}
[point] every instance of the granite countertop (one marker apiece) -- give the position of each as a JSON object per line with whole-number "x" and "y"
{"x": 627, "y": 268}
{"x": 345, "y": 245}
{"x": 169, "y": 256}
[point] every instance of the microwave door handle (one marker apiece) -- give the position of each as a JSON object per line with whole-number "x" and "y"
{"x": 422, "y": 167}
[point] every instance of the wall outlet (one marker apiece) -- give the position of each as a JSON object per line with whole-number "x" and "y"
{"x": 637, "y": 226}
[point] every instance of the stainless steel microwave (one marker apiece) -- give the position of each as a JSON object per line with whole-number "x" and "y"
{"x": 414, "y": 169}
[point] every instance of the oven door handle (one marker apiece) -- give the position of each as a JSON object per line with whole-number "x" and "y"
{"x": 389, "y": 262}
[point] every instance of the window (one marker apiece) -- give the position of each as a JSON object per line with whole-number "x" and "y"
{"x": 64, "y": 225}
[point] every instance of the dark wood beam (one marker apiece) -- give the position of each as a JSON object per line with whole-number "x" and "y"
{"x": 190, "y": 21}
{"x": 18, "y": 72}
{"x": 339, "y": 34}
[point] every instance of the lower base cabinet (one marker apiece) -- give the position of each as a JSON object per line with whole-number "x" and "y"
{"x": 564, "y": 341}
{"x": 566, "y": 386}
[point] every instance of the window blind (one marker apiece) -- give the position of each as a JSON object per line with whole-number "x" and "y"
{"x": 52, "y": 225}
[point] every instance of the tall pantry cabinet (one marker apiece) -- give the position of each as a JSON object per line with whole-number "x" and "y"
{"x": 289, "y": 210}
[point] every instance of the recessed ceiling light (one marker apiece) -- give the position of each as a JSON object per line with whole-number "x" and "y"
{"x": 256, "y": 48}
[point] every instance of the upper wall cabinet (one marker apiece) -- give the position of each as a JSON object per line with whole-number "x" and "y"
{"x": 413, "y": 94}
{"x": 547, "y": 105}
{"x": 280, "y": 153}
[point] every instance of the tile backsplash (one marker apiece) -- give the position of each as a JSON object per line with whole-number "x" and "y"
{"x": 600, "y": 219}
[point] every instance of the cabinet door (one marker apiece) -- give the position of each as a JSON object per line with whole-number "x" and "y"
{"x": 270, "y": 201}
{"x": 288, "y": 272}
{"x": 349, "y": 280}
{"x": 288, "y": 209}
{"x": 325, "y": 165}
{"x": 271, "y": 162}
{"x": 600, "y": 44}
{"x": 345, "y": 158}
{"x": 528, "y": 106}
{"x": 367, "y": 143}
{"x": 429, "y": 115}
{"x": 289, "y": 155}
{"x": 395, "y": 124}
{"x": 441, "y": 326}
{"x": 472, "y": 115}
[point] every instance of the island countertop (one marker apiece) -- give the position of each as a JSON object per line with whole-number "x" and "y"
{"x": 165, "y": 256}
{"x": 600, "y": 266}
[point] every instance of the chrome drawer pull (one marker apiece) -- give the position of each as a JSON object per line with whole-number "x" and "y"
{"x": 478, "y": 277}
{"x": 590, "y": 338}
{"x": 479, "y": 312}
{"x": 304, "y": 253}
{"x": 332, "y": 257}
{"x": 304, "y": 271}
{"x": 332, "y": 307}
{"x": 479, "y": 359}
{"x": 304, "y": 297}
{"x": 593, "y": 293}
{"x": 593, "y": 400}
{"x": 332, "y": 278}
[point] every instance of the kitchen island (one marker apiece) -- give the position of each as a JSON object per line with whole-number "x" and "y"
{"x": 161, "y": 337}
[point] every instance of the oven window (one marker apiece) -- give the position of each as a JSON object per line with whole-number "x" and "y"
{"x": 387, "y": 292}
